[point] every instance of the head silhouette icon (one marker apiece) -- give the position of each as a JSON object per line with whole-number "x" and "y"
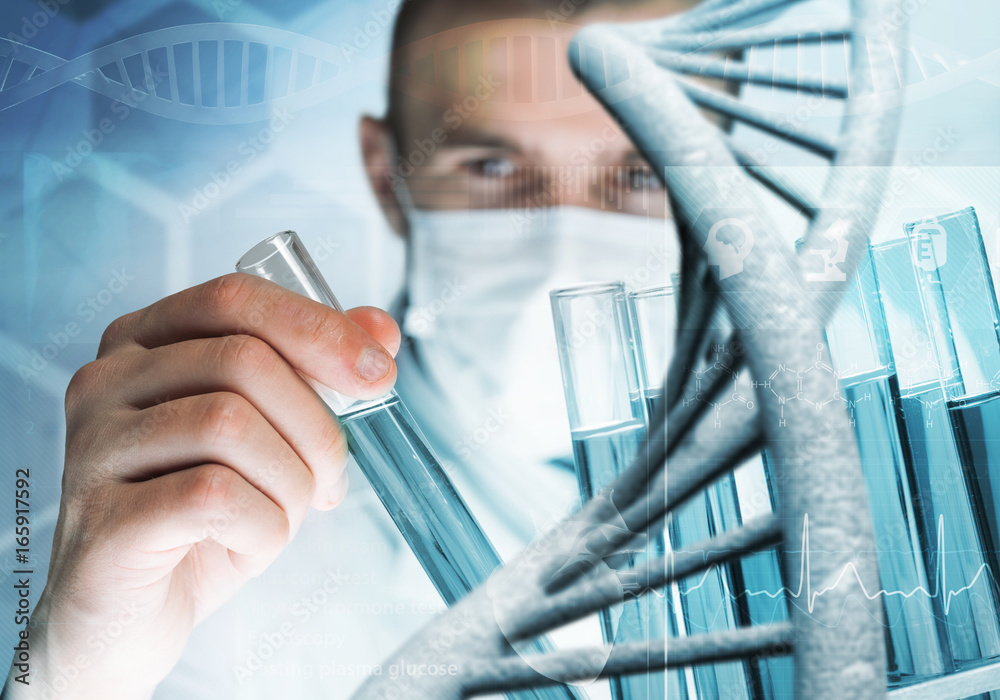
{"x": 729, "y": 242}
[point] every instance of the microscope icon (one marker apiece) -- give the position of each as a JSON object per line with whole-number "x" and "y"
{"x": 836, "y": 234}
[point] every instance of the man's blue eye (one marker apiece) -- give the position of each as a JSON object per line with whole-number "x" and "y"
{"x": 492, "y": 167}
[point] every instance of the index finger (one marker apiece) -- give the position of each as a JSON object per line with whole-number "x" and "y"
{"x": 315, "y": 339}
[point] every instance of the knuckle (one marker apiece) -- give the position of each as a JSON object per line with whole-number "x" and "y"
{"x": 247, "y": 356}
{"x": 223, "y": 419}
{"x": 321, "y": 326}
{"x": 210, "y": 488}
{"x": 83, "y": 384}
{"x": 227, "y": 295}
{"x": 116, "y": 332}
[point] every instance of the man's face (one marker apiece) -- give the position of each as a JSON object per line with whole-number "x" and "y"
{"x": 490, "y": 115}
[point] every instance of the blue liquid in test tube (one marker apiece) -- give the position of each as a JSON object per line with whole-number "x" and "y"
{"x": 393, "y": 455}
{"x": 861, "y": 353}
{"x": 949, "y": 254}
{"x": 962, "y": 600}
{"x": 755, "y": 579}
{"x": 746, "y": 592}
{"x": 607, "y": 420}
{"x": 742, "y": 593}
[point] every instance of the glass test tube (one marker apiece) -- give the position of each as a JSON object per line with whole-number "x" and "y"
{"x": 952, "y": 246}
{"x": 964, "y": 604}
{"x": 861, "y": 355}
{"x": 393, "y": 455}
{"x": 607, "y": 421}
{"x": 720, "y": 598}
{"x": 653, "y": 321}
{"x": 652, "y": 313}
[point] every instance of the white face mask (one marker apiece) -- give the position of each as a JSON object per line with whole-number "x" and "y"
{"x": 481, "y": 322}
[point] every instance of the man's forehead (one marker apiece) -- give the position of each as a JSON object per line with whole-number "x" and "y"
{"x": 423, "y": 18}
{"x": 501, "y": 66}
{"x": 510, "y": 69}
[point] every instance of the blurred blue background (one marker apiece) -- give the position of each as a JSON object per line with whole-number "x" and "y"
{"x": 90, "y": 233}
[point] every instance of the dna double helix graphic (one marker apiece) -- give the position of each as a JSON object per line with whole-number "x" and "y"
{"x": 213, "y": 73}
{"x": 232, "y": 73}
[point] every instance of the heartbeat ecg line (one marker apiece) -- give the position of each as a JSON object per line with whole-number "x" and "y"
{"x": 805, "y": 578}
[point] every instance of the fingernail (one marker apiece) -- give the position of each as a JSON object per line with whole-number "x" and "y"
{"x": 373, "y": 364}
{"x": 339, "y": 490}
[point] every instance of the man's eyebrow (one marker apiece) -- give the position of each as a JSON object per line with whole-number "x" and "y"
{"x": 472, "y": 136}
